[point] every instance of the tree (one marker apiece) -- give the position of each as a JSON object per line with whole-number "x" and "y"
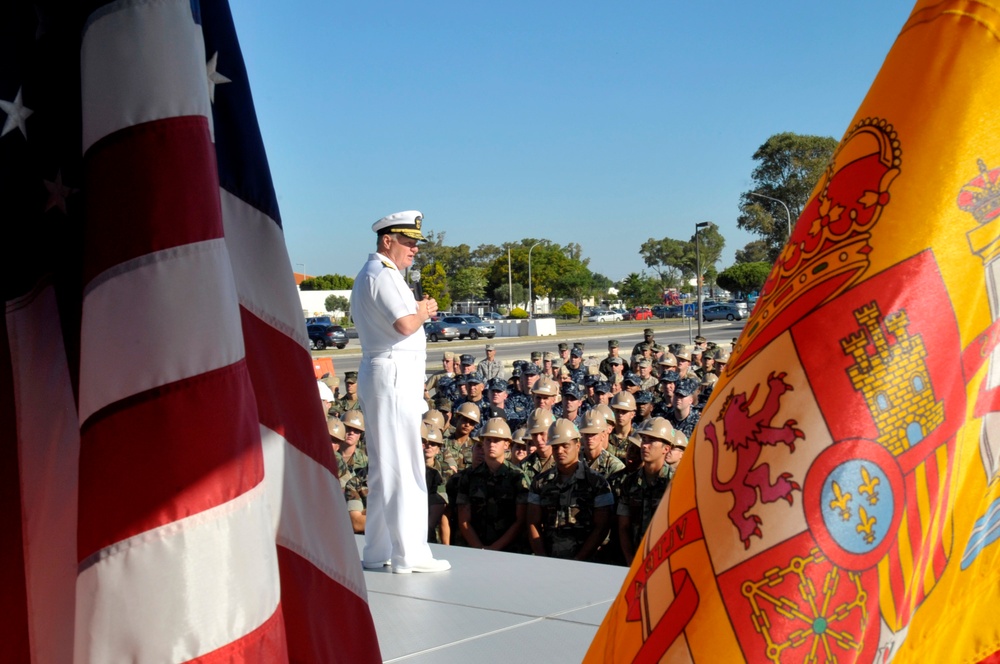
{"x": 337, "y": 303}
{"x": 667, "y": 256}
{"x": 744, "y": 278}
{"x": 575, "y": 282}
{"x": 639, "y": 289}
{"x": 434, "y": 283}
{"x": 520, "y": 294}
{"x": 469, "y": 283}
{"x": 755, "y": 251}
{"x": 788, "y": 168}
{"x": 327, "y": 282}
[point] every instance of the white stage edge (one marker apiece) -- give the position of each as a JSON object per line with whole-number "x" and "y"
{"x": 491, "y": 607}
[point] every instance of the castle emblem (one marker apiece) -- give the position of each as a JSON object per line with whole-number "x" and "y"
{"x": 893, "y": 377}
{"x": 746, "y": 434}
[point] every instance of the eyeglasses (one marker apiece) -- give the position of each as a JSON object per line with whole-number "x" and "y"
{"x": 429, "y": 443}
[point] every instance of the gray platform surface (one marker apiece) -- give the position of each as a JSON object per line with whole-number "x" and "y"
{"x": 491, "y": 607}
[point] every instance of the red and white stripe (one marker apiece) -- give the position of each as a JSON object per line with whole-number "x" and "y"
{"x": 211, "y": 523}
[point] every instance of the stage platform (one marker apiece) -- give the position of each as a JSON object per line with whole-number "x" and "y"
{"x": 490, "y": 607}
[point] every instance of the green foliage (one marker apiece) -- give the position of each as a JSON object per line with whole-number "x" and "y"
{"x": 567, "y": 310}
{"x": 744, "y": 277}
{"x": 668, "y": 257}
{"x": 754, "y": 251}
{"x": 337, "y": 303}
{"x": 788, "y": 168}
{"x": 520, "y": 294}
{"x": 469, "y": 283}
{"x": 518, "y": 312}
{"x": 327, "y": 282}
{"x": 639, "y": 290}
{"x": 434, "y": 282}
{"x": 710, "y": 246}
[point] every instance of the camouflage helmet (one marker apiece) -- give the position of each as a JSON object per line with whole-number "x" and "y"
{"x": 539, "y": 421}
{"x": 434, "y": 418}
{"x": 354, "y": 419}
{"x": 660, "y": 429}
{"x": 336, "y": 428}
{"x": 623, "y": 401}
{"x": 469, "y": 411}
{"x": 563, "y": 431}
{"x": 496, "y": 427}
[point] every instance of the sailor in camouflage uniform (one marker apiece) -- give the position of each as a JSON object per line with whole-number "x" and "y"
{"x": 683, "y": 416}
{"x": 595, "y": 441}
{"x": 520, "y": 404}
{"x": 438, "y": 526}
{"x": 624, "y": 406}
{"x": 492, "y": 498}
{"x": 571, "y": 406}
{"x": 350, "y": 399}
{"x": 538, "y": 431}
{"x": 350, "y": 449}
{"x": 575, "y": 365}
{"x": 642, "y": 490}
{"x": 459, "y": 443}
{"x": 491, "y": 367}
{"x": 569, "y": 505}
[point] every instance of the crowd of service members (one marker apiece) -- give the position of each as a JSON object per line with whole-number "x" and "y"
{"x": 566, "y": 457}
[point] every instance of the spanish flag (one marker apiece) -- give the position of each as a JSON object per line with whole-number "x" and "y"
{"x": 840, "y": 500}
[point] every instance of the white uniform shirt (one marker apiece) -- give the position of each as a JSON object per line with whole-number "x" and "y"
{"x": 381, "y": 297}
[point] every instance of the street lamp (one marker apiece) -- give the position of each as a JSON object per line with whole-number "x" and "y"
{"x": 788, "y": 215}
{"x": 531, "y": 300}
{"x": 510, "y": 285}
{"x": 697, "y": 260}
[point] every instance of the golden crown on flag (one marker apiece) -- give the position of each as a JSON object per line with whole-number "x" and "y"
{"x": 828, "y": 250}
{"x": 981, "y": 195}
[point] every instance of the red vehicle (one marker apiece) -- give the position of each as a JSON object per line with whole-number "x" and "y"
{"x": 639, "y": 313}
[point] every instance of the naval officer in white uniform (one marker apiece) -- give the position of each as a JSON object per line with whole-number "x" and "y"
{"x": 391, "y": 387}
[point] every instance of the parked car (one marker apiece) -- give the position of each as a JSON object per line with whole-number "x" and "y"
{"x": 324, "y": 336}
{"x": 494, "y": 315}
{"x": 470, "y": 326}
{"x": 675, "y": 311}
{"x": 320, "y": 320}
{"x": 722, "y": 312}
{"x": 603, "y": 316}
{"x": 639, "y": 313}
{"x": 437, "y": 330}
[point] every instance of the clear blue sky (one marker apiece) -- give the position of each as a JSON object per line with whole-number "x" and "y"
{"x": 602, "y": 123}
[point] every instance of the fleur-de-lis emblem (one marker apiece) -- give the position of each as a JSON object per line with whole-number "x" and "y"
{"x": 866, "y": 526}
{"x": 840, "y": 502}
{"x": 868, "y": 486}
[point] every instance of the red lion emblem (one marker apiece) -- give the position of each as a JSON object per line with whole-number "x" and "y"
{"x": 745, "y": 434}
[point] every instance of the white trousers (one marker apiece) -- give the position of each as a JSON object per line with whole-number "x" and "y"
{"x": 391, "y": 390}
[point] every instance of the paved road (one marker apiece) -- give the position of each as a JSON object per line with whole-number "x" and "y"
{"x": 594, "y": 336}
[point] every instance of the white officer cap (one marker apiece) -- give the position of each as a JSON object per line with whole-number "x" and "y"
{"x": 406, "y": 222}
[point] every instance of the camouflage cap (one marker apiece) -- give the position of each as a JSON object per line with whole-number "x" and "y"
{"x": 491, "y": 346}
{"x": 548, "y": 356}
{"x": 670, "y": 377}
{"x": 563, "y": 346}
{"x": 354, "y": 419}
{"x": 643, "y": 397}
{"x": 612, "y": 343}
{"x": 536, "y": 355}
{"x": 687, "y": 387}
{"x": 648, "y": 332}
{"x": 351, "y": 377}
{"x": 474, "y": 379}
{"x": 496, "y": 385}
{"x": 700, "y": 339}
{"x": 576, "y": 352}
{"x": 448, "y": 355}
{"x": 578, "y": 344}
{"x": 602, "y": 387}
{"x": 572, "y": 391}
{"x": 530, "y": 369}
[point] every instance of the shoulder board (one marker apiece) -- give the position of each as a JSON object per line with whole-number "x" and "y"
{"x": 388, "y": 265}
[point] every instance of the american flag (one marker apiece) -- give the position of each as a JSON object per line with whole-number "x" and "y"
{"x": 167, "y": 491}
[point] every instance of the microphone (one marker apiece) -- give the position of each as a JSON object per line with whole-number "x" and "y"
{"x": 418, "y": 289}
